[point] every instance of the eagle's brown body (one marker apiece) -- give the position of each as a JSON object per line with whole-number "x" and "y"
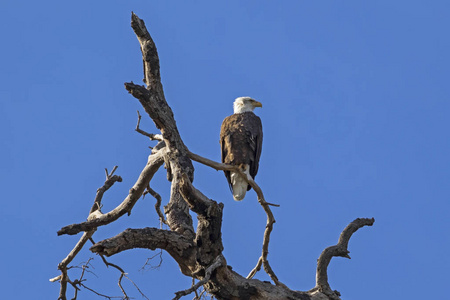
{"x": 241, "y": 142}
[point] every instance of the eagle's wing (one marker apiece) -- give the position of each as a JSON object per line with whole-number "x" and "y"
{"x": 224, "y": 140}
{"x": 241, "y": 142}
{"x": 255, "y": 142}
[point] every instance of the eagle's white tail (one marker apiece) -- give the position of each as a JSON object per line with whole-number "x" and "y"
{"x": 239, "y": 184}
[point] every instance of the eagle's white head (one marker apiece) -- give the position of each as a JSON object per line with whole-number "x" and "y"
{"x": 243, "y": 104}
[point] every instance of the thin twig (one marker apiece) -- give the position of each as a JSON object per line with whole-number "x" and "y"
{"x": 158, "y": 198}
{"x": 135, "y": 285}
{"x": 81, "y": 267}
{"x": 122, "y": 274}
{"x": 66, "y": 261}
{"x": 64, "y": 277}
{"x": 195, "y": 292}
{"x": 78, "y": 281}
{"x": 150, "y": 258}
{"x": 151, "y": 136}
{"x": 199, "y": 296}
{"x": 97, "y": 293}
{"x": 154, "y": 163}
{"x": 121, "y": 287}
{"x": 256, "y": 268}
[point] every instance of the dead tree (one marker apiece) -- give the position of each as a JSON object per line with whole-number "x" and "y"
{"x": 198, "y": 252}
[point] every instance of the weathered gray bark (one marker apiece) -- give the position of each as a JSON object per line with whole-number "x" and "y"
{"x": 197, "y": 252}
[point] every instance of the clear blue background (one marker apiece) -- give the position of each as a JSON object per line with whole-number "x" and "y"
{"x": 356, "y": 104}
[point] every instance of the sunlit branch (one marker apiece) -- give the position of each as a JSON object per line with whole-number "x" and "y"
{"x": 270, "y": 218}
{"x": 340, "y": 249}
{"x": 64, "y": 277}
{"x": 153, "y": 164}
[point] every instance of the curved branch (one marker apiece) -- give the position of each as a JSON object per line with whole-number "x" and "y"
{"x": 225, "y": 167}
{"x": 340, "y": 249}
{"x": 154, "y": 162}
{"x": 197, "y": 202}
{"x": 62, "y": 266}
{"x": 174, "y": 243}
{"x": 147, "y": 238}
{"x": 110, "y": 180}
{"x": 262, "y": 261}
{"x": 158, "y": 198}
{"x": 122, "y": 274}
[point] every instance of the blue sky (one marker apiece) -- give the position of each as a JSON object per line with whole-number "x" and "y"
{"x": 355, "y": 114}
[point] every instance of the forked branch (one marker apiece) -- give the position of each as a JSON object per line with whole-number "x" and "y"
{"x": 151, "y": 136}
{"x": 93, "y": 213}
{"x": 155, "y": 161}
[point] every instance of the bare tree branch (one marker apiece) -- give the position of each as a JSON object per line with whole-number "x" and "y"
{"x": 224, "y": 167}
{"x": 80, "y": 280}
{"x": 197, "y": 202}
{"x": 110, "y": 180}
{"x": 340, "y": 249}
{"x": 97, "y": 293}
{"x": 151, "y": 258}
{"x": 151, "y": 136}
{"x": 148, "y": 238}
{"x": 122, "y": 274}
{"x": 154, "y": 162}
{"x": 158, "y": 198}
{"x": 153, "y": 100}
{"x": 64, "y": 277}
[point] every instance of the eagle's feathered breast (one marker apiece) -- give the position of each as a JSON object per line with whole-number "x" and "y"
{"x": 241, "y": 141}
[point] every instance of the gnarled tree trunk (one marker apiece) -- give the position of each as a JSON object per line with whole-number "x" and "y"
{"x": 198, "y": 252}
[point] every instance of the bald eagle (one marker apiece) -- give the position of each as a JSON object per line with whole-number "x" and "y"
{"x": 241, "y": 142}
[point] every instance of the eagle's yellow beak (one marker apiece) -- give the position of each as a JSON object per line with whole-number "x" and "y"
{"x": 257, "y": 104}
